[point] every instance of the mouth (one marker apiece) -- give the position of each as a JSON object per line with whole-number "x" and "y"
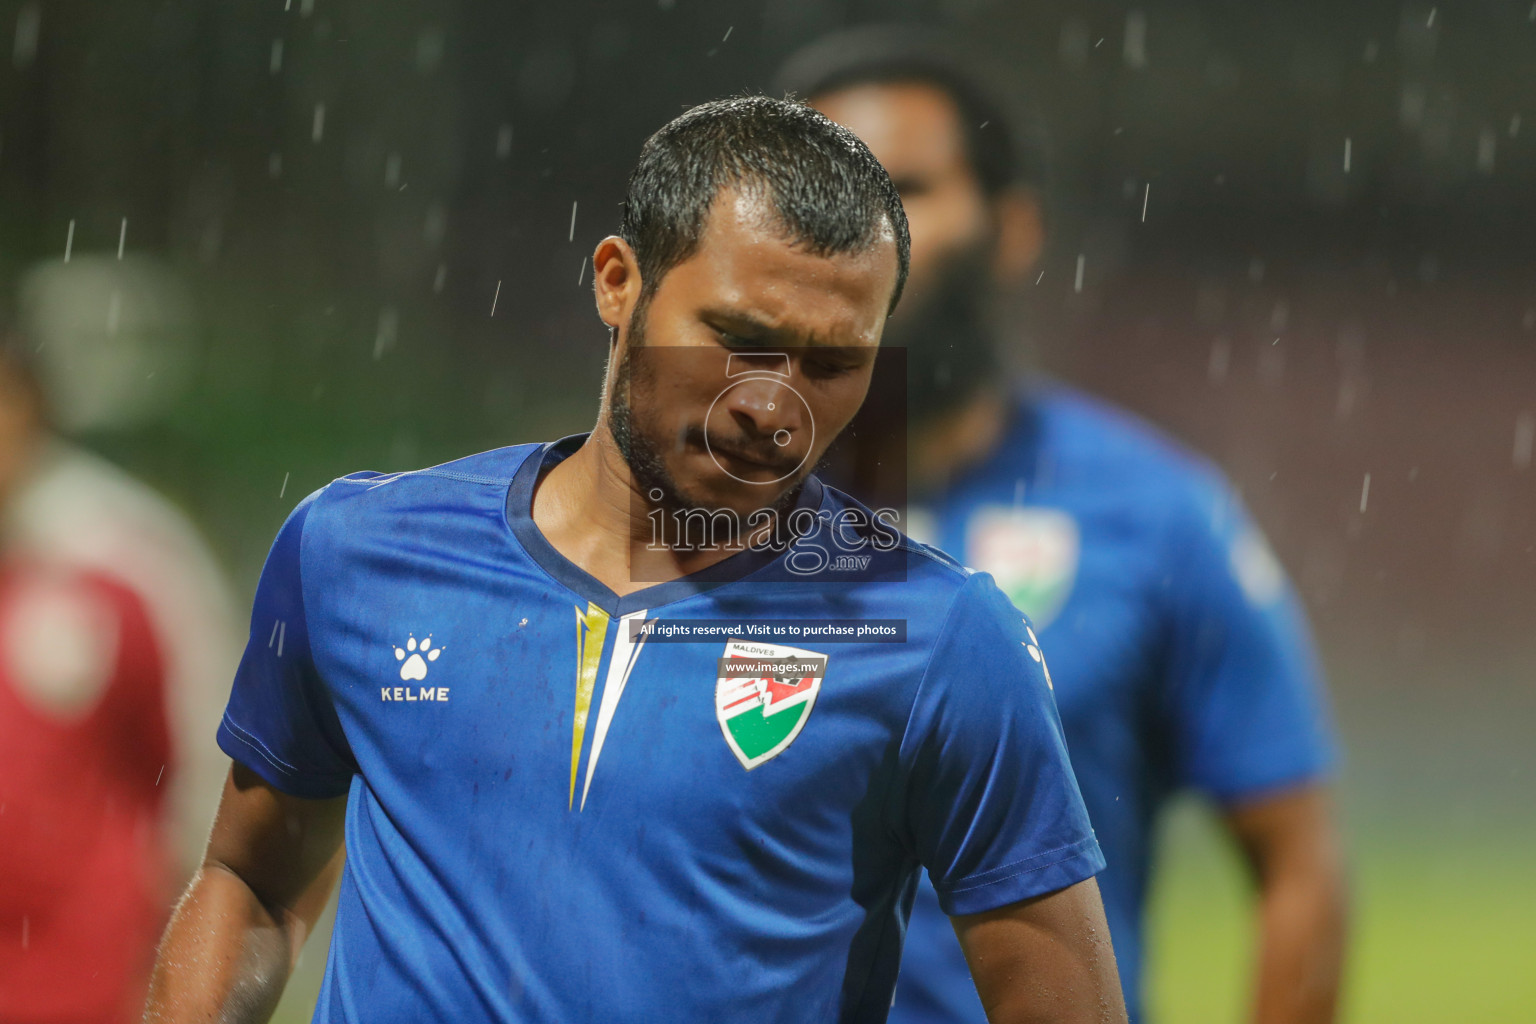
{"x": 741, "y": 461}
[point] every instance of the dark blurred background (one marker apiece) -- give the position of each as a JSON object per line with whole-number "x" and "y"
{"x": 358, "y": 237}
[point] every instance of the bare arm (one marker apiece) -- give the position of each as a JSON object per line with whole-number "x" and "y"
{"x": 1297, "y": 860}
{"x": 1045, "y": 959}
{"x": 271, "y": 862}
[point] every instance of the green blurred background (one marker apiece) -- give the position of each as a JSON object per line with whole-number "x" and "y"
{"x": 380, "y": 215}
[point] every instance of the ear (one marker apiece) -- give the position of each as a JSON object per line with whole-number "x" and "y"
{"x": 615, "y": 280}
{"x": 1020, "y": 233}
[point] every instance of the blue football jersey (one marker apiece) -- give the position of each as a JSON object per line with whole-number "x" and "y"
{"x": 1180, "y": 656}
{"x": 554, "y": 815}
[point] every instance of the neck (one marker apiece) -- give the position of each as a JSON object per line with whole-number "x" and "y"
{"x": 590, "y": 509}
{"x": 948, "y": 442}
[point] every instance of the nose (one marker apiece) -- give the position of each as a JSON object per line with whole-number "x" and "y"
{"x": 766, "y": 406}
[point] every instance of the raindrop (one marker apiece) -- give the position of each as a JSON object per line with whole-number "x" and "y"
{"x": 1135, "y": 48}
{"x": 306, "y": 8}
{"x": 1346, "y": 400}
{"x": 1365, "y": 491}
{"x": 1077, "y": 282}
{"x": 1487, "y": 142}
{"x": 1072, "y": 46}
{"x": 1280, "y": 317}
{"x": 495, "y": 298}
{"x": 1525, "y": 435}
{"x": 284, "y": 489}
{"x": 122, "y": 237}
{"x": 1221, "y": 358}
{"x": 69, "y": 242}
{"x": 439, "y": 279}
{"x": 582, "y": 273}
{"x": 384, "y": 336}
{"x": 572, "y": 236}
{"x": 1514, "y": 125}
{"x": 275, "y": 64}
{"x": 429, "y": 50}
{"x": 275, "y": 165}
{"x": 114, "y": 313}
{"x": 392, "y": 171}
{"x": 317, "y": 126}
{"x": 727, "y": 33}
{"x": 1145, "y": 196}
{"x": 435, "y": 226}
{"x": 29, "y": 22}
{"x": 1348, "y": 145}
{"x": 503, "y": 142}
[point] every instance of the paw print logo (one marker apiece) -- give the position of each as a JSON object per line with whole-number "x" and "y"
{"x": 415, "y": 657}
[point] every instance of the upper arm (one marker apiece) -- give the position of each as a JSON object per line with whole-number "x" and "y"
{"x": 1243, "y": 691}
{"x": 1292, "y": 829}
{"x": 281, "y": 721}
{"x": 286, "y": 849}
{"x": 279, "y": 823}
{"x": 1044, "y": 959}
{"x": 992, "y": 808}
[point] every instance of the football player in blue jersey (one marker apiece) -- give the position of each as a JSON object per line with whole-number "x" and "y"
{"x": 465, "y": 677}
{"x": 1180, "y": 655}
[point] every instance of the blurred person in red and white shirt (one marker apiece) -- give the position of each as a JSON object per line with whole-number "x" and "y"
{"x": 116, "y": 630}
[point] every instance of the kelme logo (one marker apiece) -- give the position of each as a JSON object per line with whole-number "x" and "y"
{"x": 413, "y": 658}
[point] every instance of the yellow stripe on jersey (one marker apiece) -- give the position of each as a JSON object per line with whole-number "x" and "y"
{"x": 591, "y": 631}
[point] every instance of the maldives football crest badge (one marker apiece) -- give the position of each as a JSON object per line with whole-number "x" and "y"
{"x": 1031, "y": 552}
{"x": 764, "y": 694}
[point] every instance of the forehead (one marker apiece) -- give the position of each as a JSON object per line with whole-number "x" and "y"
{"x": 746, "y": 265}
{"x": 903, "y": 123}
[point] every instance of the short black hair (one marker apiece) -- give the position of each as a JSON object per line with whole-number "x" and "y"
{"x": 891, "y": 54}
{"x": 827, "y": 190}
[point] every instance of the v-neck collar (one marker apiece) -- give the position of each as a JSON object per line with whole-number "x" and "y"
{"x": 519, "y": 516}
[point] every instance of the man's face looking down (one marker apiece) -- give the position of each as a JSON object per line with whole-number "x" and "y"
{"x": 730, "y": 380}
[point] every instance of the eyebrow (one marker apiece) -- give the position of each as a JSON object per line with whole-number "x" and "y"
{"x": 757, "y": 331}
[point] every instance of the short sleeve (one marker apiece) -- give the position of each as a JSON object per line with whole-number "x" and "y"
{"x": 992, "y": 807}
{"x": 1243, "y": 691}
{"x": 280, "y": 721}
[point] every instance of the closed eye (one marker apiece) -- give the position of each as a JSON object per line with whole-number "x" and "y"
{"x": 821, "y": 367}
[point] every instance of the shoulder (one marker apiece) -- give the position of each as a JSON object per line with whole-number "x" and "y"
{"x": 853, "y": 527}
{"x": 936, "y": 594}
{"x": 464, "y": 480}
{"x": 1094, "y": 441}
{"x": 490, "y": 468}
{"x": 369, "y": 508}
